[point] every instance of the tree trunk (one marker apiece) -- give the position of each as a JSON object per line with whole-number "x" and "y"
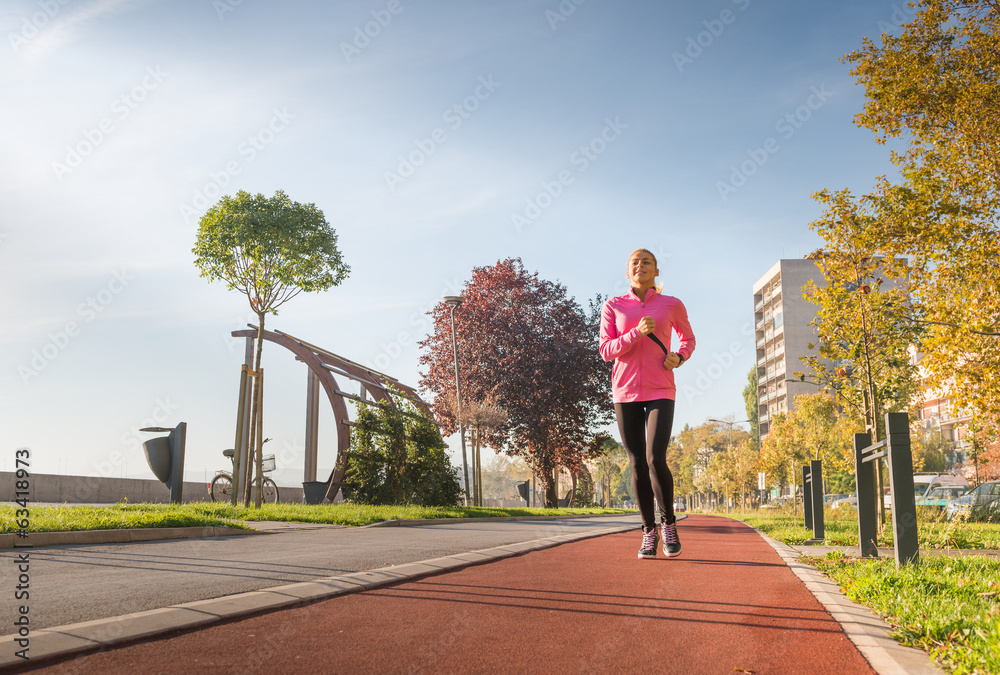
{"x": 247, "y": 477}
{"x": 259, "y": 455}
{"x": 259, "y": 409}
{"x": 572, "y": 494}
{"x": 479, "y": 468}
{"x": 549, "y": 488}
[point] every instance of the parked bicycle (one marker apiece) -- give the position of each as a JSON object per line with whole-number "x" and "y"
{"x": 221, "y": 487}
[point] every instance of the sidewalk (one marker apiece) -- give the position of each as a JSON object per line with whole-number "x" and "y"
{"x": 732, "y": 602}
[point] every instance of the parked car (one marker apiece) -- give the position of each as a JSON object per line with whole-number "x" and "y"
{"x": 923, "y": 483}
{"x": 939, "y": 497}
{"x": 980, "y": 503}
{"x": 845, "y": 500}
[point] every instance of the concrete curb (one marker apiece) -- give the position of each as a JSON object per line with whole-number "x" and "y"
{"x": 125, "y": 536}
{"x": 92, "y": 636}
{"x": 432, "y": 521}
{"x": 869, "y": 634}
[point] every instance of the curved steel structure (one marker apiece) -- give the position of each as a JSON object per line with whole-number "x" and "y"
{"x": 322, "y": 365}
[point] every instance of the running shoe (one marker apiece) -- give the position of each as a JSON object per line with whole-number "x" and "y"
{"x": 671, "y": 543}
{"x": 649, "y": 538}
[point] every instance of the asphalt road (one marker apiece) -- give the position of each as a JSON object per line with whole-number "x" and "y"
{"x": 70, "y": 584}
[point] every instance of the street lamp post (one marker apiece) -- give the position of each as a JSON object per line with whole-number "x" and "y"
{"x": 454, "y": 301}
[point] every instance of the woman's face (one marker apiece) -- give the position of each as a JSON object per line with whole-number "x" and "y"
{"x": 642, "y": 270}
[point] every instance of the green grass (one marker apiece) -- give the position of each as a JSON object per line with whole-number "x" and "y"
{"x": 948, "y": 606}
{"x": 841, "y": 529}
{"x": 68, "y": 518}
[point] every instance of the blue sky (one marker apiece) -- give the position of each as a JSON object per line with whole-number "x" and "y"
{"x": 436, "y": 136}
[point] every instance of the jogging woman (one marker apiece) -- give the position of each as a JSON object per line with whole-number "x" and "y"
{"x": 642, "y": 380}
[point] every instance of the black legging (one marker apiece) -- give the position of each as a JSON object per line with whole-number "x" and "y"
{"x": 645, "y": 430}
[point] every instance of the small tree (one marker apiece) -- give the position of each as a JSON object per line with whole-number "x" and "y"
{"x": 584, "y": 489}
{"x": 270, "y": 249}
{"x": 931, "y": 450}
{"x": 479, "y": 417}
{"x": 690, "y": 452}
{"x": 781, "y": 452}
{"x": 608, "y": 457}
{"x": 861, "y": 320}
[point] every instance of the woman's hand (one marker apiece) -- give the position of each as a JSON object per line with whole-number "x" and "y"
{"x": 646, "y": 325}
{"x": 672, "y": 361}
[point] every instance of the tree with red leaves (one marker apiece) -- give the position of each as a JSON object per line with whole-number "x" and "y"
{"x": 522, "y": 341}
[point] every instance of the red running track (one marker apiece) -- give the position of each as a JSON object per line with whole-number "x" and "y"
{"x": 727, "y": 604}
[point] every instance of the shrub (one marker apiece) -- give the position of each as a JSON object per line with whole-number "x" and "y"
{"x": 398, "y": 457}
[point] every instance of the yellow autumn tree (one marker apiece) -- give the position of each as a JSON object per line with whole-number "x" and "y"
{"x": 933, "y": 90}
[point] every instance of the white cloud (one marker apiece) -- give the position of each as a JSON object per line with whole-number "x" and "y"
{"x": 66, "y": 27}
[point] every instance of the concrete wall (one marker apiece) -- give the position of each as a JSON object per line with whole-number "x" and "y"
{"x": 94, "y": 490}
{"x": 504, "y": 503}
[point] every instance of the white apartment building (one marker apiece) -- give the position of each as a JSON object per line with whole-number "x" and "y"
{"x": 783, "y": 335}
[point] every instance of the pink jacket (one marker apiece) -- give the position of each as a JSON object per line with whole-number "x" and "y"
{"x": 638, "y": 373}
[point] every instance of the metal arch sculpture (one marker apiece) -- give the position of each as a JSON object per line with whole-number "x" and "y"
{"x": 322, "y": 365}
